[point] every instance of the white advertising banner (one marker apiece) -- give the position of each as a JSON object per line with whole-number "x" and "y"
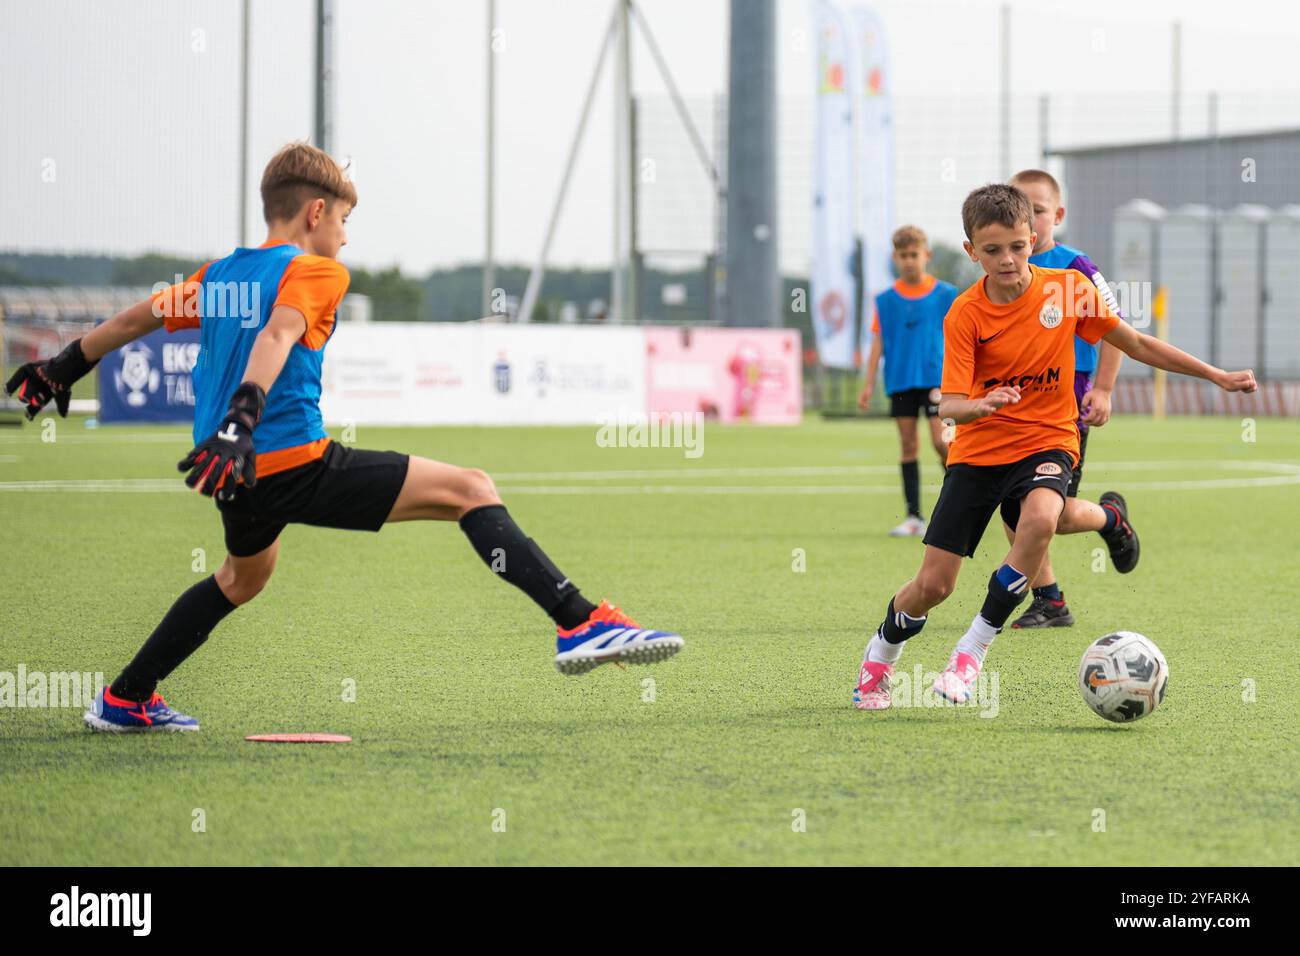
{"x": 561, "y": 375}
{"x": 402, "y": 373}
{"x": 833, "y": 287}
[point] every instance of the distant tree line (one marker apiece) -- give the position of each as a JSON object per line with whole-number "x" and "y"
{"x": 456, "y": 294}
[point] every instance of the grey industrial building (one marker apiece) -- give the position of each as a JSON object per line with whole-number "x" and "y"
{"x": 1225, "y": 232}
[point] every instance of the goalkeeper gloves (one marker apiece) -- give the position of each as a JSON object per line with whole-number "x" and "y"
{"x": 220, "y": 463}
{"x": 38, "y": 382}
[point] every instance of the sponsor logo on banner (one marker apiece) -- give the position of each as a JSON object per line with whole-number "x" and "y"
{"x": 150, "y": 379}
{"x": 501, "y": 374}
{"x": 137, "y": 379}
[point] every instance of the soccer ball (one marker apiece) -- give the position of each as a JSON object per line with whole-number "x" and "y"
{"x": 1122, "y": 676}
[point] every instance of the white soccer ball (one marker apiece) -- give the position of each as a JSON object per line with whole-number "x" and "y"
{"x": 1122, "y": 676}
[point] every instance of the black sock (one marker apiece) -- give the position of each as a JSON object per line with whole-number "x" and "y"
{"x": 1051, "y": 592}
{"x": 1006, "y": 591}
{"x": 898, "y": 626}
{"x": 912, "y": 486}
{"x": 517, "y": 558}
{"x": 182, "y": 631}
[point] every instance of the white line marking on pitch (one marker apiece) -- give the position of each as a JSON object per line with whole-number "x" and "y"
{"x": 1289, "y": 475}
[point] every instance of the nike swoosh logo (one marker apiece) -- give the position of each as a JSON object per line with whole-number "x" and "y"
{"x": 562, "y": 584}
{"x": 1093, "y": 682}
{"x": 992, "y": 337}
{"x": 1045, "y": 477}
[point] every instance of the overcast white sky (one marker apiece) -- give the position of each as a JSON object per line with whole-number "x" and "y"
{"x": 131, "y": 105}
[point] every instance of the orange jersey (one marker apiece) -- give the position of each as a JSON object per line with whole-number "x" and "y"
{"x": 1028, "y": 343}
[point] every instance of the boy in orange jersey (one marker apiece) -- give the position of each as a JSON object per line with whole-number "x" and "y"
{"x": 265, "y": 316}
{"x": 1007, "y": 373}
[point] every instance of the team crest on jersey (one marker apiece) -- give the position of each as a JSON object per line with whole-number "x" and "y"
{"x": 1050, "y": 316}
{"x": 1048, "y": 468}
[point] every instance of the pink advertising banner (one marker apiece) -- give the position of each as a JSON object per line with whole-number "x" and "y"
{"x": 730, "y": 375}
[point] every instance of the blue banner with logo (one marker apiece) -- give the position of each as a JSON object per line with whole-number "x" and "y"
{"x": 150, "y": 379}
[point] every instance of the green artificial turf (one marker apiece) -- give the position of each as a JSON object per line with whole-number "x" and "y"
{"x": 745, "y": 749}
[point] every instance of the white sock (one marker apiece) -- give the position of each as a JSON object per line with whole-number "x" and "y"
{"x": 977, "y": 639}
{"x": 880, "y": 651}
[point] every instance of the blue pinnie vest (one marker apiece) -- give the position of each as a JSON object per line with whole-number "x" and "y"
{"x": 238, "y": 294}
{"x": 911, "y": 333}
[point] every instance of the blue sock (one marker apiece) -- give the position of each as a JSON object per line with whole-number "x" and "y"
{"x": 1011, "y": 580}
{"x": 1051, "y": 592}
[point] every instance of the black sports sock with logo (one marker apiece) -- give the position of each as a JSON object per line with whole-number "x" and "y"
{"x": 899, "y": 626}
{"x": 1049, "y": 592}
{"x": 506, "y": 550}
{"x": 912, "y": 486}
{"x": 180, "y": 633}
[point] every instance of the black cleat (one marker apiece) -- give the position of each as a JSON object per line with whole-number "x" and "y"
{"x": 1123, "y": 541}
{"x": 1044, "y": 612}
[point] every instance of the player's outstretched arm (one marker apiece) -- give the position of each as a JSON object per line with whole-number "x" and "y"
{"x": 36, "y": 383}
{"x": 1149, "y": 350}
{"x": 217, "y": 465}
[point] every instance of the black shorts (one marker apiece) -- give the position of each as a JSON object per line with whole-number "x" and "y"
{"x": 1073, "y": 490}
{"x": 971, "y": 493}
{"x": 909, "y": 402}
{"x": 347, "y": 488}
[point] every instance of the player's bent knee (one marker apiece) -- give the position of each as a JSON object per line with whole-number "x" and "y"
{"x": 1036, "y": 527}
{"x": 477, "y": 489}
{"x": 241, "y": 590}
{"x": 934, "y": 588}
{"x": 241, "y": 585}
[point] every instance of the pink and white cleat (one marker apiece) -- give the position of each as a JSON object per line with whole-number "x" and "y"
{"x": 958, "y": 678}
{"x": 872, "y": 692}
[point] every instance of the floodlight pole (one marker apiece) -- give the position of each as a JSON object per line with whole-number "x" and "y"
{"x": 324, "y": 131}
{"x": 489, "y": 262}
{"x": 1004, "y": 95}
{"x": 697, "y": 141}
{"x": 1176, "y": 84}
{"x": 622, "y": 272}
{"x": 243, "y": 127}
{"x": 539, "y": 270}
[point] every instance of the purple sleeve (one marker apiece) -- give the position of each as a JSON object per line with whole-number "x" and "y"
{"x": 1083, "y": 264}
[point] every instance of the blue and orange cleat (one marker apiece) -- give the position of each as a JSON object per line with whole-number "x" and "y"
{"x": 115, "y": 715}
{"x": 610, "y": 635}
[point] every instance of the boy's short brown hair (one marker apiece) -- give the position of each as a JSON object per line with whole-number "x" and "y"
{"x": 1027, "y": 176}
{"x": 297, "y": 174}
{"x": 907, "y": 236}
{"x": 996, "y": 203}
